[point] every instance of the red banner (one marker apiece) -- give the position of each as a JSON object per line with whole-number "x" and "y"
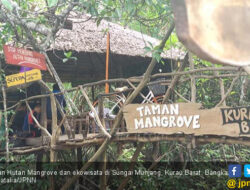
{"x": 25, "y": 58}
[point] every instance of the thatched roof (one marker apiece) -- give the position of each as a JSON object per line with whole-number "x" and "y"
{"x": 87, "y": 42}
{"x": 86, "y": 36}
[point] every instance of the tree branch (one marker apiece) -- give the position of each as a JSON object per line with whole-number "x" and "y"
{"x": 95, "y": 113}
{"x": 229, "y": 90}
{"x": 119, "y": 116}
{"x": 175, "y": 80}
{"x": 37, "y": 123}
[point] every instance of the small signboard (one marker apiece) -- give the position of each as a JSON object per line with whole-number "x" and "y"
{"x": 187, "y": 118}
{"x": 23, "y": 57}
{"x": 21, "y": 78}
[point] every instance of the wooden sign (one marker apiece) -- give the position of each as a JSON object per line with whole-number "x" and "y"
{"x": 210, "y": 30}
{"x": 23, "y": 57}
{"x": 25, "y": 77}
{"x": 187, "y": 118}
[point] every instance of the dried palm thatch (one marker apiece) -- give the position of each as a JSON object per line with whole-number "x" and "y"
{"x": 86, "y": 36}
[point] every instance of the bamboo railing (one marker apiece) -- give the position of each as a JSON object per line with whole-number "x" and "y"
{"x": 78, "y": 124}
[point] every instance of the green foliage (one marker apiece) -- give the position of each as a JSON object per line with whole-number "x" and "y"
{"x": 68, "y": 56}
{"x": 155, "y": 51}
{"x": 52, "y": 3}
{"x": 173, "y": 41}
{"x": 7, "y": 4}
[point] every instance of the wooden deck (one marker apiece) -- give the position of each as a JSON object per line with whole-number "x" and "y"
{"x": 36, "y": 144}
{"x": 150, "y": 137}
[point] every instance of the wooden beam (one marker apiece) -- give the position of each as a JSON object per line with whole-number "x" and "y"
{"x": 44, "y": 120}
{"x": 229, "y": 90}
{"x": 151, "y": 137}
{"x": 95, "y": 113}
{"x": 53, "y": 72}
{"x": 26, "y": 150}
{"x": 5, "y": 115}
{"x": 107, "y": 64}
{"x": 103, "y": 159}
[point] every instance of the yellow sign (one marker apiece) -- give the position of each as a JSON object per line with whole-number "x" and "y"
{"x": 21, "y": 78}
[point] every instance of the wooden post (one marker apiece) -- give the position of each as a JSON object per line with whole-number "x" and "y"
{"x": 79, "y": 162}
{"x": 193, "y": 86}
{"x": 103, "y": 178}
{"x": 93, "y": 93}
{"x": 64, "y": 120}
{"x": 6, "y": 124}
{"x": 5, "y": 115}
{"x": 103, "y": 159}
{"x": 107, "y": 63}
{"x": 55, "y": 134}
{"x": 44, "y": 121}
{"x": 222, "y": 88}
{"x": 70, "y": 103}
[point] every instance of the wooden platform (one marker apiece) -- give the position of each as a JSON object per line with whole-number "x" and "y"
{"x": 123, "y": 137}
{"x": 150, "y": 137}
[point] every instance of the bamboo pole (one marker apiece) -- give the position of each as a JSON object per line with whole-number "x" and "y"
{"x": 44, "y": 120}
{"x": 222, "y": 88}
{"x": 103, "y": 178}
{"x": 142, "y": 137}
{"x": 5, "y": 117}
{"x": 107, "y": 63}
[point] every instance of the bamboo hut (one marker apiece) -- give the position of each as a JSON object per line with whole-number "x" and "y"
{"x": 87, "y": 42}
